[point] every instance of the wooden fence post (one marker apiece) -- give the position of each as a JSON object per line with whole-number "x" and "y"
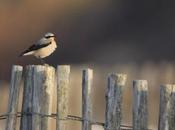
{"x": 140, "y": 102}
{"x": 48, "y": 86}
{"x": 26, "y": 119}
{"x": 167, "y": 107}
{"x": 16, "y": 77}
{"x": 63, "y": 77}
{"x": 87, "y": 78}
{"x": 37, "y": 97}
{"x": 114, "y": 92}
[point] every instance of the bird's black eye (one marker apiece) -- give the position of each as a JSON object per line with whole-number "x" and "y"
{"x": 49, "y": 36}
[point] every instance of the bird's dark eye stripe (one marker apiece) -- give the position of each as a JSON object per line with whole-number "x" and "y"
{"x": 49, "y": 36}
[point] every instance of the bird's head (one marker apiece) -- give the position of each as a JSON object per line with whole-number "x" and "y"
{"x": 49, "y": 35}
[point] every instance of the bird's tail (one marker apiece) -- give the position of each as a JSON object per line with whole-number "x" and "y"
{"x": 21, "y": 54}
{"x": 26, "y": 53}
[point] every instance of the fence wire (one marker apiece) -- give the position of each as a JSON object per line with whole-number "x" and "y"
{"x": 69, "y": 117}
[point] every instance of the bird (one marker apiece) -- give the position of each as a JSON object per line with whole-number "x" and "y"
{"x": 43, "y": 48}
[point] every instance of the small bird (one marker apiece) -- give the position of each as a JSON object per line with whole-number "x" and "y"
{"x": 43, "y": 48}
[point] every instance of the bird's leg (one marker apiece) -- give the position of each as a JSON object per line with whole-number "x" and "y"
{"x": 42, "y": 61}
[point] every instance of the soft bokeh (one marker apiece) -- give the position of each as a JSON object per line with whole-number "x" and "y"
{"x": 133, "y": 37}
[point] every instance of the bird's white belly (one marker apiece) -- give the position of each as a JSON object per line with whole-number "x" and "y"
{"x": 46, "y": 51}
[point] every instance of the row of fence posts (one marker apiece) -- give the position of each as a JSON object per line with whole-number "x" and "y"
{"x": 41, "y": 81}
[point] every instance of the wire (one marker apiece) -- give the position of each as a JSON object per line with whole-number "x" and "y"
{"x": 55, "y": 116}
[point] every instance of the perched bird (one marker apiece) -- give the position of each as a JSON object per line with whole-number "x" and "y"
{"x": 43, "y": 48}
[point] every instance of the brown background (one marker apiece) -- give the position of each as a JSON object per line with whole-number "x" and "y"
{"x": 133, "y": 37}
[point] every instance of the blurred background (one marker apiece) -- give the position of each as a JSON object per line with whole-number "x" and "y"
{"x": 133, "y": 37}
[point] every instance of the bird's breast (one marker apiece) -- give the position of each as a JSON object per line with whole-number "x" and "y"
{"x": 46, "y": 51}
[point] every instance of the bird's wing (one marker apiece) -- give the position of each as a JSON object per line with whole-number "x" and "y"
{"x": 36, "y": 47}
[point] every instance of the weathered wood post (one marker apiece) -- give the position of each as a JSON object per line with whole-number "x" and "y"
{"x": 140, "y": 102}
{"x": 37, "y": 97}
{"x": 16, "y": 77}
{"x": 63, "y": 78}
{"x": 26, "y": 119}
{"x": 87, "y": 79}
{"x": 47, "y": 88}
{"x": 167, "y": 107}
{"x": 113, "y": 115}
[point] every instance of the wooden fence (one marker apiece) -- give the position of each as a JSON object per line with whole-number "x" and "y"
{"x": 41, "y": 81}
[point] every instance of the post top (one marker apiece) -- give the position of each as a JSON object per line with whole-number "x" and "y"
{"x": 17, "y": 67}
{"x": 119, "y": 77}
{"x": 142, "y": 85}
